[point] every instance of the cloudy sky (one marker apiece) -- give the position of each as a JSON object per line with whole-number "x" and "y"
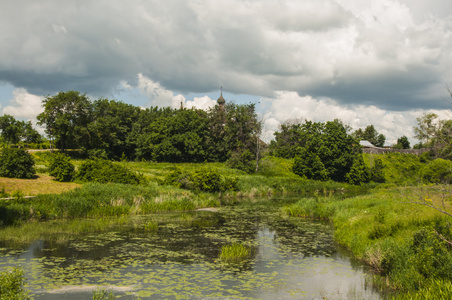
{"x": 380, "y": 62}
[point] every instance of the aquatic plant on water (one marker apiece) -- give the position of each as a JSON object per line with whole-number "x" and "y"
{"x": 234, "y": 252}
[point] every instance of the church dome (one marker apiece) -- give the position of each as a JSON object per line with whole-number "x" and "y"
{"x": 221, "y": 100}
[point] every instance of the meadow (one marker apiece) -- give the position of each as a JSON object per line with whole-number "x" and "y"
{"x": 405, "y": 243}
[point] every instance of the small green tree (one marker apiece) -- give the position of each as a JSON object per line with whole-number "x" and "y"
{"x": 402, "y": 143}
{"x": 61, "y": 168}
{"x": 310, "y": 166}
{"x": 10, "y": 129}
{"x": 359, "y": 173}
{"x": 16, "y": 163}
{"x": 376, "y": 172}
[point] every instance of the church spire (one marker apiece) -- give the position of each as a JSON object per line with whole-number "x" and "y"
{"x": 221, "y": 100}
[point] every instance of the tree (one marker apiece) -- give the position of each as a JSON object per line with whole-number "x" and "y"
{"x": 112, "y": 122}
{"x": 10, "y": 129}
{"x": 402, "y": 143}
{"x": 359, "y": 172}
{"x": 29, "y": 134}
{"x": 427, "y": 127}
{"x": 436, "y": 134}
{"x": 242, "y": 132}
{"x": 376, "y": 171}
{"x": 327, "y": 151}
{"x": 66, "y": 117}
{"x": 371, "y": 135}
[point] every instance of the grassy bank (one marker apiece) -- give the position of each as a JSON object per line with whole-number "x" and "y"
{"x": 403, "y": 242}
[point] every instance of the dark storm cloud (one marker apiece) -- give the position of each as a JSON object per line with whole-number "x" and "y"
{"x": 391, "y": 54}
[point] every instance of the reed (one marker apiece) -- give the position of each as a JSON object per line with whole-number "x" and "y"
{"x": 234, "y": 253}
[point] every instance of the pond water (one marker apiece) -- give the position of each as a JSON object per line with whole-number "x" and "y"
{"x": 176, "y": 256}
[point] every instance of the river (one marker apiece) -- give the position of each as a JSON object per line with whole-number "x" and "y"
{"x": 176, "y": 256}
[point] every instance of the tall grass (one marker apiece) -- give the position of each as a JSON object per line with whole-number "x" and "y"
{"x": 234, "y": 253}
{"x": 399, "y": 240}
{"x": 101, "y": 294}
{"x": 100, "y": 200}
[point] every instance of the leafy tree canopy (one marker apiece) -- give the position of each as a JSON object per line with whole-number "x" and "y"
{"x": 371, "y": 135}
{"x": 322, "y": 150}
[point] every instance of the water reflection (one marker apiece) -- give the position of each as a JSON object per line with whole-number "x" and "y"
{"x": 292, "y": 259}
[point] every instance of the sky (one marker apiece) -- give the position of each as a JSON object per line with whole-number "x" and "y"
{"x": 380, "y": 62}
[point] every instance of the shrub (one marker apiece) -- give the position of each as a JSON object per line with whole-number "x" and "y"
{"x": 310, "y": 166}
{"x": 11, "y": 284}
{"x": 206, "y": 180}
{"x": 437, "y": 171}
{"x": 104, "y": 171}
{"x": 97, "y": 154}
{"x": 376, "y": 172}
{"x": 359, "y": 173}
{"x": 243, "y": 160}
{"x": 16, "y": 163}
{"x": 61, "y": 168}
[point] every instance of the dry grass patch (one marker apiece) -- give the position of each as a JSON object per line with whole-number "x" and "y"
{"x": 44, "y": 184}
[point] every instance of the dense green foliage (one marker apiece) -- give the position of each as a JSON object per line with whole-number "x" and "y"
{"x": 12, "y": 283}
{"x": 437, "y": 171}
{"x": 13, "y": 131}
{"x": 371, "y": 135}
{"x": 112, "y": 129}
{"x": 203, "y": 179}
{"x": 359, "y": 172}
{"x": 16, "y": 163}
{"x": 435, "y": 134}
{"x": 399, "y": 168}
{"x": 66, "y": 117}
{"x": 104, "y": 171}
{"x": 61, "y": 168}
{"x": 376, "y": 171}
{"x": 402, "y": 143}
{"x": 322, "y": 151}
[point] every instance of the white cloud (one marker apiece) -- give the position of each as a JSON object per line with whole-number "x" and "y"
{"x": 24, "y": 105}
{"x": 158, "y": 95}
{"x": 201, "y": 103}
{"x": 393, "y": 124}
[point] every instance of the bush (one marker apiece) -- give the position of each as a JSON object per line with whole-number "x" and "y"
{"x": 16, "y": 163}
{"x": 437, "y": 171}
{"x": 376, "y": 172}
{"x": 206, "y": 180}
{"x": 61, "y": 168}
{"x": 104, "y": 171}
{"x": 11, "y": 284}
{"x": 359, "y": 173}
{"x": 243, "y": 160}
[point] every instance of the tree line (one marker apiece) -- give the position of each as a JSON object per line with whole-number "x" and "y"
{"x": 113, "y": 129}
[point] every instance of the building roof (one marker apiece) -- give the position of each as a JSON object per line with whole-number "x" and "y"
{"x": 366, "y": 144}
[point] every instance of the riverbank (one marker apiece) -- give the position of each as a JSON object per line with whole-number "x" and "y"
{"x": 405, "y": 243}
